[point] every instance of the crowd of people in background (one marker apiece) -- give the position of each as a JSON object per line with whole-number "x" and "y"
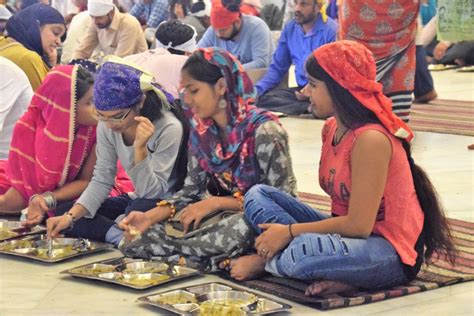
{"x": 162, "y": 118}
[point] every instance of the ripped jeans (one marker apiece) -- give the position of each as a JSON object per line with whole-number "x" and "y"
{"x": 370, "y": 263}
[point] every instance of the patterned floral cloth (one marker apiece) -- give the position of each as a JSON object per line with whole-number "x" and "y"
{"x": 388, "y": 29}
{"x": 120, "y": 84}
{"x": 244, "y": 118}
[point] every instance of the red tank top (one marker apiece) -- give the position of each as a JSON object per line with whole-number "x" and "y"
{"x": 400, "y": 217}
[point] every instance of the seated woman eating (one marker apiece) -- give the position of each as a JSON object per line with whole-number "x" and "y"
{"x": 52, "y": 153}
{"x": 386, "y": 219}
{"x": 140, "y": 126}
{"x": 232, "y": 146}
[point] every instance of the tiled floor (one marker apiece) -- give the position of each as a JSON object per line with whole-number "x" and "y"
{"x": 28, "y": 288}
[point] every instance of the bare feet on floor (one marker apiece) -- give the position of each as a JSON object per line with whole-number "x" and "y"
{"x": 328, "y": 287}
{"x": 246, "y": 267}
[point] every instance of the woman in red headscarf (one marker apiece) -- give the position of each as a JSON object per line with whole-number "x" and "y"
{"x": 385, "y": 218}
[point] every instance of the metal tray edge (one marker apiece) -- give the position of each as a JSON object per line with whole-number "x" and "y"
{"x": 103, "y": 246}
{"x": 79, "y": 275}
{"x": 144, "y": 299}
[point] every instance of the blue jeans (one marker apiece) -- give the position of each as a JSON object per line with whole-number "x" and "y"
{"x": 370, "y": 263}
{"x": 102, "y": 226}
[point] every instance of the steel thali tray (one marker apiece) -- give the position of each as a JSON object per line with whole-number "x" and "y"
{"x": 36, "y": 247}
{"x": 195, "y": 300}
{"x": 137, "y": 274}
{"x": 13, "y": 229}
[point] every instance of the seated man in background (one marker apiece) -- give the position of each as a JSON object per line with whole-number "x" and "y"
{"x": 150, "y": 12}
{"x": 174, "y": 41}
{"x": 115, "y": 33}
{"x": 309, "y": 29}
{"x": 246, "y": 37}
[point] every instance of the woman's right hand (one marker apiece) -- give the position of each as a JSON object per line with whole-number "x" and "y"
{"x": 55, "y": 225}
{"x": 36, "y": 210}
{"x": 134, "y": 223}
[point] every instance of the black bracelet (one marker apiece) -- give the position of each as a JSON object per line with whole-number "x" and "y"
{"x": 291, "y": 232}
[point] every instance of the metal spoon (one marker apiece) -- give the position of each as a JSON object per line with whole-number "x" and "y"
{"x": 50, "y": 248}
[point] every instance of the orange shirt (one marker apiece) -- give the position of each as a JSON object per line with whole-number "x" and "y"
{"x": 400, "y": 217}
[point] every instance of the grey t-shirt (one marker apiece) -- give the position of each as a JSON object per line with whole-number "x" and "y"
{"x": 152, "y": 177}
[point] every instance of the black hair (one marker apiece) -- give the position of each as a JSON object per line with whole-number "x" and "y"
{"x": 202, "y": 70}
{"x": 152, "y": 110}
{"x": 84, "y": 80}
{"x": 198, "y": 6}
{"x": 185, "y": 4}
{"x": 174, "y": 32}
{"x": 232, "y": 5}
{"x": 437, "y": 236}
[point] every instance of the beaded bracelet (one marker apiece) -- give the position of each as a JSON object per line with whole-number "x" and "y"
{"x": 238, "y": 195}
{"x": 166, "y": 203}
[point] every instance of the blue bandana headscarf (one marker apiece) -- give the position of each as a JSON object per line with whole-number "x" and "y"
{"x": 24, "y": 26}
{"x": 119, "y": 85}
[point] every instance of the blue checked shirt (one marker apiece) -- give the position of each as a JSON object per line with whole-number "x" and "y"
{"x": 153, "y": 13}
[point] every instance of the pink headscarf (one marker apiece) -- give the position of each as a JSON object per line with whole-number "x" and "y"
{"x": 48, "y": 148}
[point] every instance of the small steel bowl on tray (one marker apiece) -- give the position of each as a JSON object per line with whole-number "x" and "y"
{"x": 144, "y": 267}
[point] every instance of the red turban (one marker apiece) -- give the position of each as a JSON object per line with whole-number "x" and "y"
{"x": 221, "y": 17}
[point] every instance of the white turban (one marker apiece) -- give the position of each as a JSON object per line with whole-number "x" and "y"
{"x": 99, "y": 7}
{"x": 206, "y": 11}
{"x": 4, "y": 13}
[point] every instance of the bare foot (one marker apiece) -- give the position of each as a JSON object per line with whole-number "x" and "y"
{"x": 247, "y": 267}
{"x": 328, "y": 287}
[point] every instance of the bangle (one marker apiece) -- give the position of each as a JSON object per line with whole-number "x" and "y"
{"x": 240, "y": 198}
{"x": 171, "y": 206}
{"x": 291, "y": 232}
{"x": 50, "y": 200}
{"x": 32, "y": 198}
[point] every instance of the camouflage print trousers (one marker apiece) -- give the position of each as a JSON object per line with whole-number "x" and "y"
{"x": 230, "y": 237}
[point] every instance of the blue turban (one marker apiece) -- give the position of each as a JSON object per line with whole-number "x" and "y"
{"x": 119, "y": 86}
{"x": 24, "y": 26}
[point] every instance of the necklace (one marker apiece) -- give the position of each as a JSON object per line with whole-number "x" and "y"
{"x": 338, "y": 140}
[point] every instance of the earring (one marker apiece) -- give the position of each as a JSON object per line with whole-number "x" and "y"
{"x": 222, "y": 103}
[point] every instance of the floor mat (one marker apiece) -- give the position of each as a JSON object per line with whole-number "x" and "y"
{"x": 440, "y": 273}
{"x": 443, "y": 116}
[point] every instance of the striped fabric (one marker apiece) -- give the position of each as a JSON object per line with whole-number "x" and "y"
{"x": 444, "y": 116}
{"x": 440, "y": 273}
{"x": 401, "y": 104}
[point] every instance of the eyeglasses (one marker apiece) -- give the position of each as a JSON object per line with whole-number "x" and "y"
{"x": 112, "y": 120}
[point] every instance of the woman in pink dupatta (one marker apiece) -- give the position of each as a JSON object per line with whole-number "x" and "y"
{"x": 52, "y": 153}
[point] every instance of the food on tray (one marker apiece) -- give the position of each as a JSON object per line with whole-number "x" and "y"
{"x": 94, "y": 269}
{"x": 6, "y": 233}
{"x": 231, "y": 308}
{"x": 144, "y": 279}
{"x": 176, "y": 298}
{"x": 16, "y": 244}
